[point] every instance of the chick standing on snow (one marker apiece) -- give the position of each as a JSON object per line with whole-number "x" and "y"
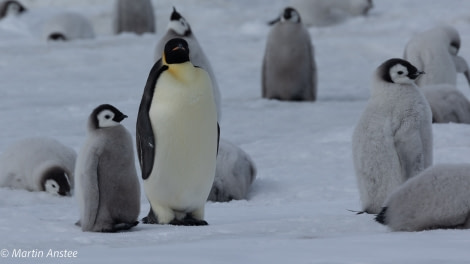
{"x": 38, "y": 164}
{"x": 439, "y": 197}
{"x": 289, "y": 71}
{"x": 107, "y": 186}
{"x": 178, "y": 27}
{"x": 393, "y": 139}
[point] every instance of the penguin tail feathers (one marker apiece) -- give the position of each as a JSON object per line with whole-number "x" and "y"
{"x": 382, "y": 216}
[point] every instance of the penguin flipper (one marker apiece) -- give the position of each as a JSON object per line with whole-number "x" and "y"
{"x": 218, "y": 137}
{"x": 146, "y": 141}
{"x": 91, "y": 191}
{"x": 409, "y": 147}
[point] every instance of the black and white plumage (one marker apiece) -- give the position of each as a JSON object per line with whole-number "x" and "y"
{"x": 447, "y": 103}
{"x": 133, "y": 16}
{"x": 289, "y": 70}
{"x": 11, "y": 7}
{"x": 179, "y": 27}
{"x": 234, "y": 174}
{"x": 177, "y": 138}
{"x": 439, "y": 197}
{"x": 66, "y": 26}
{"x": 435, "y": 51}
{"x": 320, "y": 13}
{"x": 392, "y": 141}
{"x": 38, "y": 164}
{"x": 107, "y": 185}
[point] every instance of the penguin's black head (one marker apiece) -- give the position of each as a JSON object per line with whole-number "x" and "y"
{"x": 179, "y": 24}
{"x": 12, "y": 7}
{"x": 288, "y": 14}
{"x": 398, "y": 71}
{"x": 176, "y": 51}
{"x": 56, "y": 181}
{"x": 106, "y": 115}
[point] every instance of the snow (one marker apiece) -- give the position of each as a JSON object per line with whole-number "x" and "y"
{"x": 298, "y": 207}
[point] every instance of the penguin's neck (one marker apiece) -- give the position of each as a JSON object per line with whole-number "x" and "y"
{"x": 184, "y": 72}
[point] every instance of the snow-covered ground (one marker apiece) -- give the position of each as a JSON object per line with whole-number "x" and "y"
{"x": 297, "y": 211}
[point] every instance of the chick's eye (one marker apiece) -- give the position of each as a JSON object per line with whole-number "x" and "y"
{"x": 400, "y": 72}
{"x": 107, "y": 116}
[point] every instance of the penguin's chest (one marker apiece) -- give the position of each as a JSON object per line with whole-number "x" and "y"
{"x": 184, "y": 120}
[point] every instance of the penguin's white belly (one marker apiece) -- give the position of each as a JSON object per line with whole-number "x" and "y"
{"x": 184, "y": 121}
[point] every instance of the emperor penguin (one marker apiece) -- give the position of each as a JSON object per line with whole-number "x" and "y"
{"x": 178, "y": 27}
{"x": 289, "y": 70}
{"x": 438, "y": 197}
{"x": 133, "y": 16}
{"x": 321, "y": 13}
{"x": 447, "y": 103}
{"x": 38, "y": 164}
{"x": 435, "y": 51}
{"x": 177, "y": 138}
{"x": 234, "y": 174}
{"x": 107, "y": 185}
{"x": 67, "y": 26}
{"x": 392, "y": 141}
{"x": 11, "y": 7}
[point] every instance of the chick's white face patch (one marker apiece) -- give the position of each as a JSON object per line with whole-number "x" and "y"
{"x": 105, "y": 119}
{"x": 399, "y": 75}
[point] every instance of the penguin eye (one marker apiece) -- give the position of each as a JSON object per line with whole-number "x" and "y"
{"x": 400, "y": 72}
{"x": 53, "y": 185}
{"x": 107, "y": 116}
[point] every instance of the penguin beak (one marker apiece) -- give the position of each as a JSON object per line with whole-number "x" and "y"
{"x": 120, "y": 118}
{"x": 272, "y": 22}
{"x": 417, "y": 74}
{"x": 179, "y": 47}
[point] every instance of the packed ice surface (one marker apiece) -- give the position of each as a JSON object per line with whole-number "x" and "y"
{"x": 297, "y": 210}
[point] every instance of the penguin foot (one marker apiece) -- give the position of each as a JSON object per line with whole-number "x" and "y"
{"x": 124, "y": 226}
{"x": 151, "y": 218}
{"x": 188, "y": 221}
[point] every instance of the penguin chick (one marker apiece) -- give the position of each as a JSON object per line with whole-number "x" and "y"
{"x": 177, "y": 138}
{"x": 447, "y": 103}
{"x": 234, "y": 174}
{"x": 289, "y": 70}
{"x": 67, "y": 26}
{"x": 439, "y": 197}
{"x": 11, "y": 7}
{"x": 107, "y": 185}
{"x": 392, "y": 141}
{"x": 178, "y": 27}
{"x": 435, "y": 51}
{"x": 38, "y": 164}
{"x": 133, "y": 16}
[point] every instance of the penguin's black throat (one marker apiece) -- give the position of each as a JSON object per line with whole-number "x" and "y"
{"x": 176, "y": 51}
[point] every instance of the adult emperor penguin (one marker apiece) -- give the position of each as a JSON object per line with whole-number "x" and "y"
{"x": 38, "y": 164}
{"x": 447, "y": 103}
{"x": 435, "y": 51}
{"x": 439, "y": 197}
{"x": 133, "y": 16}
{"x": 11, "y": 7}
{"x": 289, "y": 71}
{"x": 392, "y": 141}
{"x": 107, "y": 185}
{"x": 177, "y": 138}
{"x": 234, "y": 174}
{"x": 178, "y": 27}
